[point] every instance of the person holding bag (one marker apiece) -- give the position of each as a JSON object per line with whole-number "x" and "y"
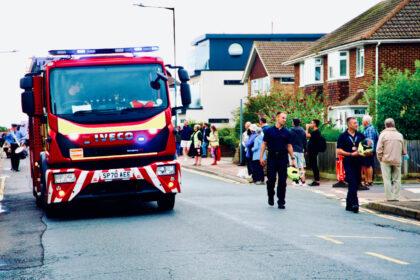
{"x": 15, "y": 139}
{"x": 214, "y": 144}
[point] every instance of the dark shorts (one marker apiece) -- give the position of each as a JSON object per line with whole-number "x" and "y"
{"x": 368, "y": 161}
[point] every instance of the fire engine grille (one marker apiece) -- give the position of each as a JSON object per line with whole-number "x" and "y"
{"x": 118, "y": 188}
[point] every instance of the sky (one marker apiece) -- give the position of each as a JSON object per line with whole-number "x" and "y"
{"x": 32, "y": 27}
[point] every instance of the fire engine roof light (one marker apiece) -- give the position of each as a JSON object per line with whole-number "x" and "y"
{"x": 104, "y": 51}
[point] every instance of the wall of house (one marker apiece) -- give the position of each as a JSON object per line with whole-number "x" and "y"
{"x": 361, "y": 83}
{"x": 401, "y": 56}
{"x": 218, "y": 100}
{"x": 286, "y": 89}
{"x": 257, "y": 72}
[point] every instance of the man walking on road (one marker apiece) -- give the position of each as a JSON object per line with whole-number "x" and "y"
{"x": 298, "y": 141}
{"x": 347, "y": 145}
{"x": 313, "y": 149}
{"x": 277, "y": 141}
{"x": 369, "y": 161}
{"x": 389, "y": 151}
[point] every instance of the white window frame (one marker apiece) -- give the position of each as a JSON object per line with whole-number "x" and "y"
{"x": 302, "y": 74}
{"x": 259, "y": 86}
{"x": 307, "y": 77}
{"x": 334, "y": 65}
{"x": 360, "y": 62}
{"x": 318, "y": 64}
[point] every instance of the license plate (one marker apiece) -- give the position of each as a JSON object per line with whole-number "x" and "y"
{"x": 116, "y": 174}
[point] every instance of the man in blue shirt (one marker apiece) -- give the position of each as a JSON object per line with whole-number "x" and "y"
{"x": 14, "y": 139}
{"x": 277, "y": 141}
{"x": 347, "y": 145}
{"x": 369, "y": 161}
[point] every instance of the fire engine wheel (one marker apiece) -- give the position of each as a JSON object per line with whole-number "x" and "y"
{"x": 52, "y": 210}
{"x": 166, "y": 202}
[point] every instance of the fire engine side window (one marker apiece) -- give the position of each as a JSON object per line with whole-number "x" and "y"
{"x": 108, "y": 87}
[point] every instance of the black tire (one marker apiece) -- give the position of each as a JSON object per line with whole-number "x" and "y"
{"x": 166, "y": 202}
{"x": 52, "y": 210}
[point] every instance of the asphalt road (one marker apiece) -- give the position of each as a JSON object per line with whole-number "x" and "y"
{"x": 218, "y": 230}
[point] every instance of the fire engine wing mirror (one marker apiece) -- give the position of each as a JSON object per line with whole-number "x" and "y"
{"x": 155, "y": 84}
{"x": 185, "y": 94}
{"x": 183, "y": 75}
{"x": 28, "y": 105}
{"x": 26, "y": 82}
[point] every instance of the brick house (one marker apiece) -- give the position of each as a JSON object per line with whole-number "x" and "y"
{"x": 264, "y": 69}
{"x": 344, "y": 62}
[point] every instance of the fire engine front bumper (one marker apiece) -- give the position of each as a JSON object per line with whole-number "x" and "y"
{"x": 150, "y": 181}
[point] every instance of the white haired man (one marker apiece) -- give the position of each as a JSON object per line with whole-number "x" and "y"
{"x": 368, "y": 162}
{"x": 389, "y": 151}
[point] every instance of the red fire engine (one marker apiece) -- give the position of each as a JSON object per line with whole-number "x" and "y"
{"x": 100, "y": 125}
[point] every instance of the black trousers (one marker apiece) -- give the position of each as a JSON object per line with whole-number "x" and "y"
{"x": 249, "y": 166}
{"x": 257, "y": 171}
{"x": 313, "y": 161}
{"x": 353, "y": 178}
{"x": 277, "y": 168}
{"x": 14, "y": 158}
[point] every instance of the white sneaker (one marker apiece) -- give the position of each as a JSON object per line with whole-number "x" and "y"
{"x": 302, "y": 184}
{"x": 294, "y": 183}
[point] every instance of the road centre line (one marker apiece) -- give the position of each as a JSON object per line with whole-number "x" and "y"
{"x": 386, "y": 258}
{"x": 212, "y": 176}
{"x": 360, "y": 236}
{"x": 331, "y": 237}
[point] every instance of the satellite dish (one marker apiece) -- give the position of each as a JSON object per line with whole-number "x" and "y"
{"x": 235, "y": 49}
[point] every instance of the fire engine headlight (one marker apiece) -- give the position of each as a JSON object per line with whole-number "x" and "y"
{"x": 166, "y": 170}
{"x": 63, "y": 178}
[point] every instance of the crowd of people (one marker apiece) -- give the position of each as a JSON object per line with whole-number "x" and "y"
{"x": 276, "y": 148}
{"x": 197, "y": 143}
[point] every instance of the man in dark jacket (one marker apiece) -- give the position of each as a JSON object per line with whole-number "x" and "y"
{"x": 298, "y": 141}
{"x": 313, "y": 149}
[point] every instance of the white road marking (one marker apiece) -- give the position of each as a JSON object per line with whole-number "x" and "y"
{"x": 413, "y": 190}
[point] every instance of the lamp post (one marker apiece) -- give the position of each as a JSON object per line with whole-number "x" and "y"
{"x": 173, "y": 24}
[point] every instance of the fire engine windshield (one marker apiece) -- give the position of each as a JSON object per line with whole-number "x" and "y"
{"x": 107, "y": 89}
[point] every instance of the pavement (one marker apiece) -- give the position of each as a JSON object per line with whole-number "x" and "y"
{"x": 374, "y": 198}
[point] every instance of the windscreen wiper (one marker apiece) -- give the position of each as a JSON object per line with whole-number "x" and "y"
{"x": 135, "y": 109}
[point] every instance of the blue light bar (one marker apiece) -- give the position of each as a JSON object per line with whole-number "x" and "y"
{"x": 104, "y": 51}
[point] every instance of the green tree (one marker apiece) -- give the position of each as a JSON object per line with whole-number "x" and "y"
{"x": 304, "y": 107}
{"x": 397, "y": 96}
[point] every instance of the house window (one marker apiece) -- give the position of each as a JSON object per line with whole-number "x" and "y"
{"x": 232, "y": 82}
{"x": 259, "y": 86}
{"x": 360, "y": 61}
{"x": 318, "y": 70}
{"x": 343, "y": 64}
{"x": 287, "y": 80}
{"x": 338, "y": 65}
{"x": 218, "y": 120}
